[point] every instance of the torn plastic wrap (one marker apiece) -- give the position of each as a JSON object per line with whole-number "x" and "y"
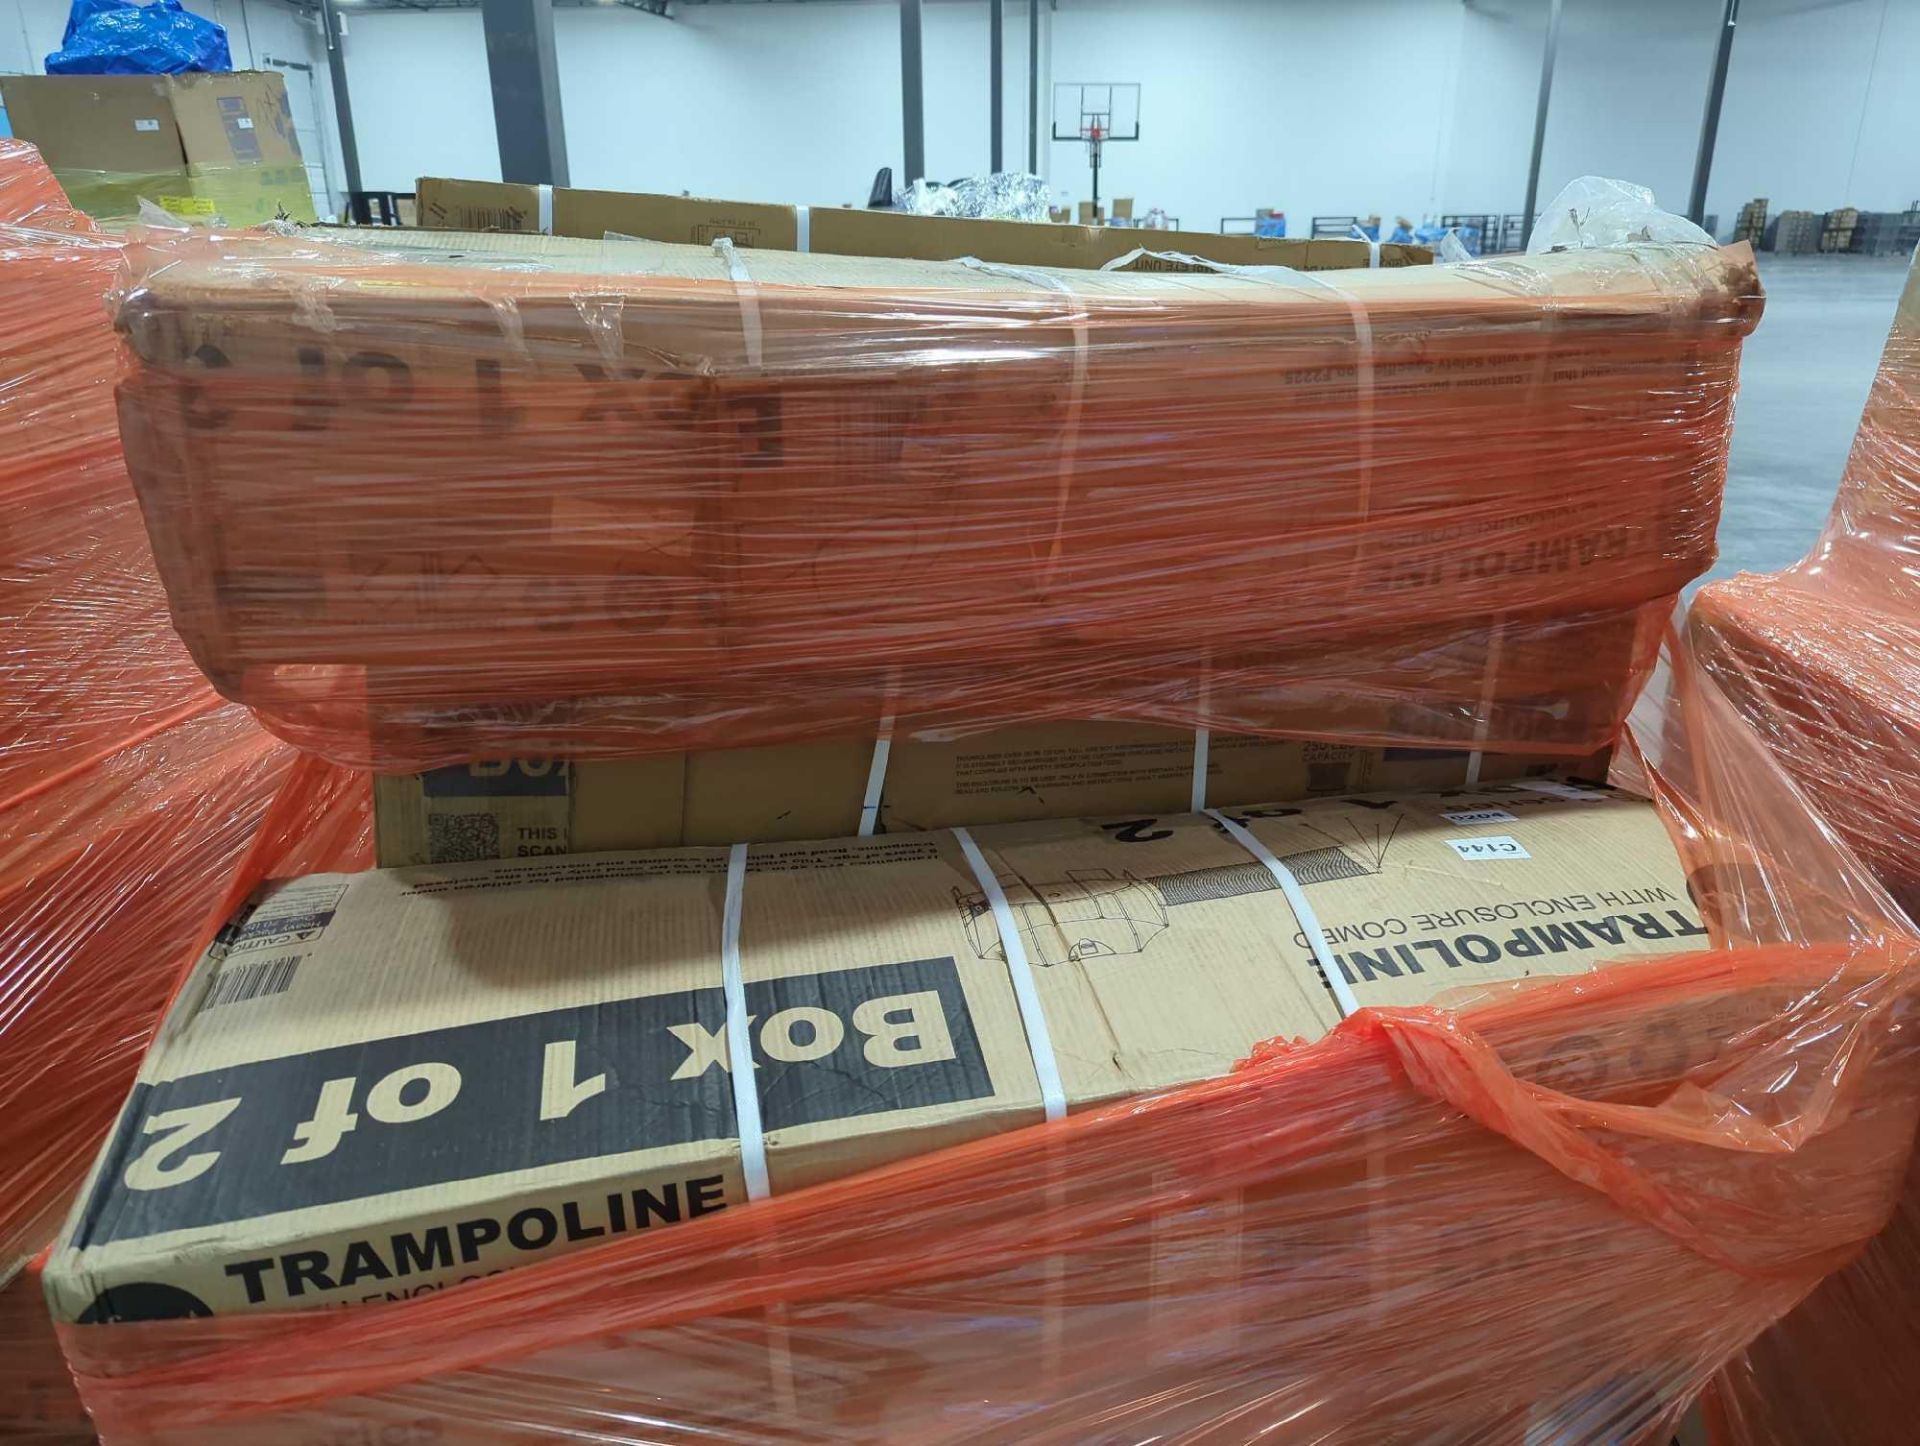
{"x": 621, "y": 498}
{"x": 1563, "y": 1206}
{"x": 1595, "y": 211}
{"x": 129, "y": 790}
{"x": 1823, "y": 662}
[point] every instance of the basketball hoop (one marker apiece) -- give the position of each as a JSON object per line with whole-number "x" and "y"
{"x": 1102, "y": 112}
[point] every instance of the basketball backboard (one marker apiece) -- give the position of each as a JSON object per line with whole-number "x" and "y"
{"x": 1096, "y": 110}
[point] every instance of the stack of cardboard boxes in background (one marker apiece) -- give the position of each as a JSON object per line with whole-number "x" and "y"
{"x": 197, "y": 145}
{"x": 848, "y": 231}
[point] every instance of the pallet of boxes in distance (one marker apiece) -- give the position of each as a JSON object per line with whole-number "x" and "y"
{"x": 848, "y": 231}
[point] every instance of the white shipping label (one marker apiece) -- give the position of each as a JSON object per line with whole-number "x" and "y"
{"x": 245, "y": 122}
{"x": 1480, "y": 815}
{"x": 146, "y": 125}
{"x": 1494, "y": 846}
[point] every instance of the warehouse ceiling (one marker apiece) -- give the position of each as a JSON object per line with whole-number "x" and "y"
{"x": 1661, "y": 16}
{"x": 663, "y": 8}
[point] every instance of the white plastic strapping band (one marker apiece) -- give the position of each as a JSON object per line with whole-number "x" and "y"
{"x": 1185, "y": 260}
{"x": 747, "y": 292}
{"x": 1039, "y": 1042}
{"x": 1363, "y": 387}
{"x": 1303, "y": 914}
{"x": 1202, "y": 737}
{"x": 543, "y": 203}
{"x": 1489, "y": 684}
{"x": 1373, "y": 247}
{"x": 746, "y": 1093}
{"x": 876, "y": 778}
{"x": 1362, "y": 335}
{"x": 1202, "y": 745}
{"x": 1070, "y": 431}
{"x": 803, "y": 228}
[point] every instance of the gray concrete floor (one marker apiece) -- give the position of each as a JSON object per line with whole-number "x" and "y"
{"x": 1803, "y": 379}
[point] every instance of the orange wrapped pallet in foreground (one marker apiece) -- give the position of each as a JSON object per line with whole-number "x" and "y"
{"x": 31, "y": 196}
{"x": 1825, "y": 656}
{"x": 1555, "y": 1210}
{"x": 481, "y": 497}
{"x": 1823, "y": 660}
{"x": 129, "y": 790}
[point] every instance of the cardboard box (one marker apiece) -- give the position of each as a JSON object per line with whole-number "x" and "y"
{"x": 846, "y": 231}
{"x": 1174, "y": 463}
{"x": 374, "y": 1085}
{"x": 517, "y": 808}
{"x": 199, "y": 145}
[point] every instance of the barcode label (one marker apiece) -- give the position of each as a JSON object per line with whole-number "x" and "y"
{"x": 1494, "y": 846}
{"x": 256, "y": 980}
{"x": 491, "y": 218}
{"x": 462, "y": 838}
{"x": 1479, "y": 815}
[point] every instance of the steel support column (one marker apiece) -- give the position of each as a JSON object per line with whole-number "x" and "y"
{"x": 1540, "y": 116}
{"x": 526, "y": 90}
{"x": 1710, "y": 122}
{"x": 912, "y": 106}
{"x": 342, "y": 102}
{"x": 1033, "y": 86}
{"x": 996, "y": 51}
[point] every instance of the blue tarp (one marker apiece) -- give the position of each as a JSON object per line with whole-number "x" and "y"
{"x": 118, "y": 37}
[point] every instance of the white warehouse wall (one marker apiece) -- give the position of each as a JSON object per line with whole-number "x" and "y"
{"x": 1318, "y": 106}
{"x": 754, "y": 102}
{"x": 422, "y": 105}
{"x": 1822, "y": 107}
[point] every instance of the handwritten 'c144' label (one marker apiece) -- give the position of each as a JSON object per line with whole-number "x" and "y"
{"x": 1494, "y": 846}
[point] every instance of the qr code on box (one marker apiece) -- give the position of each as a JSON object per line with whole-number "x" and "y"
{"x": 462, "y": 838}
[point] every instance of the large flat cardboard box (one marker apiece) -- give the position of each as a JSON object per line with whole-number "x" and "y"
{"x": 720, "y": 501}
{"x": 198, "y": 145}
{"x": 520, "y": 807}
{"x": 378, "y": 1084}
{"x": 846, "y": 231}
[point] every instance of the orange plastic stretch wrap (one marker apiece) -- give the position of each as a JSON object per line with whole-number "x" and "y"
{"x": 1823, "y": 660}
{"x": 608, "y": 498}
{"x": 1542, "y": 1214}
{"x": 1825, "y": 656}
{"x": 129, "y": 790}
